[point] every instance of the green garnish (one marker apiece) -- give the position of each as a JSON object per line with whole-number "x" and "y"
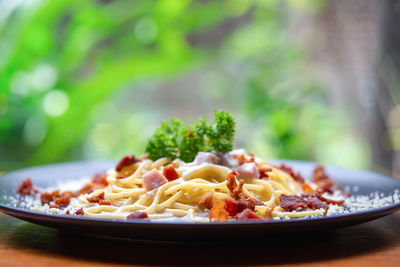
{"x": 172, "y": 140}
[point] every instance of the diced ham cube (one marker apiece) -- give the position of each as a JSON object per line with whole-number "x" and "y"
{"x": 153, "y": 179}
{"x": 226, "y": 159}
{"x": 206, "y": 157}
{"x": 248, "y": 170}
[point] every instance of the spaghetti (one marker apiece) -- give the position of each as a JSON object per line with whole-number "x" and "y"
{"x": 214, "y": 187}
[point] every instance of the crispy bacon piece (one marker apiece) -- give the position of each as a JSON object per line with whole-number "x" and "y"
{"x": 46, "y": 198}
{"x": 62, "y": 200}
{"x": 296, "y": 176}
{"x": 322, "y": 189}
{"x": 26, "y": 187}
{"x": 218, "y": 211}
{"x": 254, "y": 202}
{"x": 234, "y": 207}
{"x": 138, "y": 214}
{"x": 126, "y": 161}
{"x": 170, "y": 173}
{"x": 207, "y": 201}
{"x": 236, "y": 191}
{"x": 86, "y": 189}
{"x": 248, "y": 170}
{"x": 292, "y": 202}
{"x": 100, "y": 179}
{"x": 54, "y": 206}
{"x": 321, "y": 178}
{"x": 263, "y": 172}
{"x": 79, "y": 212}
{"x": 104, "y": 202}
{"x": 330, "y": 201}
{"x": 231, "y": 181}
{"x": 242, "y": 159}
{"x": 248, "y": 214}
{"x": 96, "y": 199}
{"x": 70, "y": 193}
{"x": 314, "y": 202}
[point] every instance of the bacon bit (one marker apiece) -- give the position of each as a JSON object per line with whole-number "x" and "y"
{"x": 321, "y": 178}
{"x": 86, "y": 189}
{"x": 218, "y": 211}
{"x": 323, "y": 189}
{"x": 26, "y": 187}
{"x": 96, "y": 199}
{"x": 268, "y": 213}
{"x": 263, "y": 172}
{"x": 234, "y": 207}
{"x": 63, "y": 200}
{"x": 70, "y": 193}
{"x": 292, "y": 202}
{"x": 170, "y": 173}
{"x": 231, "y": 181}
{"x": 120, "y": 177}
{"x": 46, "y": 198}
{"x": 138, "y": 214}
{"x": 67, "y": 213}
{"x": 248, "y": 214}
{"x": 314, "y": 202}
{"x": 330, "y": 201}
{"x": 241, "y": 159}
{"x": 235, "y": 189}
{"x": 307, "y": 188}
{"x": 100, "y": 179}
{"x": 326, "y": 211}
{"x": 54, "y": 206}
{"x": 207, "y": 201}
{"x": 238, "y": 192}
{"x": 79, "y": 212}
{"x": 55, "y": 193}
{"x": 254, "y": 202}
{"x": 296, "y": 176}
{"x": 126, "y": 161}
{"x": 104, "y": 202}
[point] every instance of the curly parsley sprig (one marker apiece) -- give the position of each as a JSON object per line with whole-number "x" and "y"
{"x": 172, "y": 140}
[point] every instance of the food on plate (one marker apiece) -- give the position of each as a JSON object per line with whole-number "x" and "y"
{"x": 194, "y": 173}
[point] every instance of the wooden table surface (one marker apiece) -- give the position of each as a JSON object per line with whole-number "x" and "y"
{"x": 375, "y": 243}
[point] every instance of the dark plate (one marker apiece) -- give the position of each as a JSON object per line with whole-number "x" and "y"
{"x": 50, "y": 175}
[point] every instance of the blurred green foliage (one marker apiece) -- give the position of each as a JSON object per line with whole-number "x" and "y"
{"x": 65, "y": 65}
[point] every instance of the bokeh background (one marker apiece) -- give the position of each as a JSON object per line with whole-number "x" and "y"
{"x": 306, "y": 79}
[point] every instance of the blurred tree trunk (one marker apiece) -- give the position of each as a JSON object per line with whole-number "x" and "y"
{"x": 390, "y": 75}
{"x": 351, "y": 40}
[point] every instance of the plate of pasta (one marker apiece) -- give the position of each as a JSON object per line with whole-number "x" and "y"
{"x": 190, "y": 184}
